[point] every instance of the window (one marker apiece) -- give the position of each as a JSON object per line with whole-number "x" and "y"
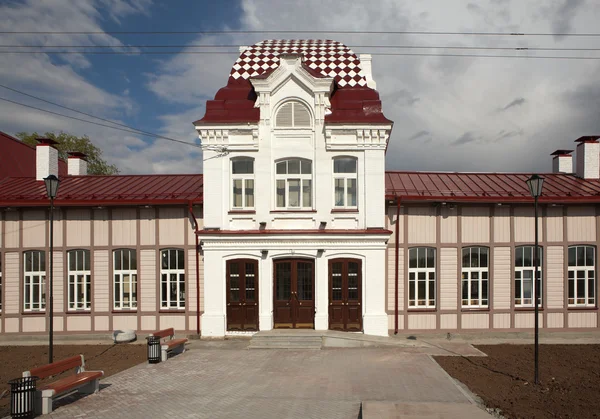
{"x": 582, "y": 276}
{"x": 0, "y": 282}
{"x": 344, "y": 182}
{"x": 294, "y": 183}
{"x": 34, "y": 292}
{"x": 524, "y": 286}
{"x": 475, "y": 273}
{"x": 293, "y": 115}
{"x": 421, "y": 277}
{"x": 80, "y": 286}
{"x": 125, "y": 284}
{"x": 242, "y": 179}
{"x": 172, "y": 279}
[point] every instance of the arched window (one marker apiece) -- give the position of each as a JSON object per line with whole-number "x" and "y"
{"x": 421, "y": 277}
{"x": 34, "y": 280}
{"x": 79, "y": 277}
{"x": 242, "y": 183}
{"x": 293, "y": 183}
{"x": 344, "y": 182}
{"x": 125, "y": 279}
{"x": 475, "y": 277}
{"x": 582, "y": 276}
{"x": 172, "y": 279}
{"x": 293, "y": 115}
{"x": 525, "y": 288}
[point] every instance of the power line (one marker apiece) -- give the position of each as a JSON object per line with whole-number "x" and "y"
{"x": 99, "y": 124}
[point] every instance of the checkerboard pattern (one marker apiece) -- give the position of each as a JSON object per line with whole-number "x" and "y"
{"x": 330, "y": 58}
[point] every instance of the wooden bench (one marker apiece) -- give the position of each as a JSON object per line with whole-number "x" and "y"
{"x": 86, "y": 382}
{"x": 170, "y": 344}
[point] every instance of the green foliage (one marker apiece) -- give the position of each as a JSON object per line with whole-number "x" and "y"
{"x": 67, "y": 142}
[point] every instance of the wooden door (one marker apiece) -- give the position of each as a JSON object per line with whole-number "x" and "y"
{"x": 345, "y": 295}
{"x": 293, "y": 293}
{"x": 242, "y": 295}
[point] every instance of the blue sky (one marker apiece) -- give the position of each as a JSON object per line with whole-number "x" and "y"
{"x": 450, "y": 113}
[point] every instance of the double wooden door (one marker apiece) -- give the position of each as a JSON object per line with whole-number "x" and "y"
{"x": 294, "y": 293}
{"x": 242, "y": 294}
{"x": 345, "y": 294}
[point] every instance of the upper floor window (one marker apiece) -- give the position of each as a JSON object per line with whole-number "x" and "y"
{"x": 242, "y": 180}
{"x": 293, "y": 115}
{"x": 80, "y": 286}
{"x": 582, "y": 276}
{"x": 475, "y": 271}
{"x": 294, "y": 183}
{"x": 344, "y": 182}
{"x": 172, "y": 279}
{"x": 421, "y": 277}
{"x": 525, "y": 288}
{"x": 34, "y": 291}
{"x": 125, "y": 275}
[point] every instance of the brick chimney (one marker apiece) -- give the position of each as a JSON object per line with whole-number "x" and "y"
{"x": 562, "y": 162}
{"x": 77, "y": 164}
{"x": 46, "y": 158}
{"x": 365, "y": 66}
{"x": 588, "y": 157}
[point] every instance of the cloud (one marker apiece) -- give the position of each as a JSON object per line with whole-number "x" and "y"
{"x": 505, "y": 135}
{"x": 466, "y": 138}
{"x": 517, "y": 102}
{"x": 423, "y": 134}
{"x": 565, "y": 14}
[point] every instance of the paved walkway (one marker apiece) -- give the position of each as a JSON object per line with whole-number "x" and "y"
{"x": 227, "y": 381}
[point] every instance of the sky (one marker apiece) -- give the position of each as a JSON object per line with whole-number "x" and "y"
{"x": 450, "y": 113}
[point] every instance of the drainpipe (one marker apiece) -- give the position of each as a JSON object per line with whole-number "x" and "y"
{"x": 196, "y": 232}
{"x": 397, "y": 263}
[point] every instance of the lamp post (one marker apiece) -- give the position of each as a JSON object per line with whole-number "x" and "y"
{"x": 51, "y": 189}
{"x": 535, "y": 184}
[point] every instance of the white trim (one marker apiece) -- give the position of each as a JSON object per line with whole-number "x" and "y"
{"x": 28, "y": 280}
{"x": 586, "y": 269}
{"x": 179, "y": 272}
{"x": 81, "y": 279}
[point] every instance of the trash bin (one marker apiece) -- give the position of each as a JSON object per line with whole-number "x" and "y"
{"x": 153, "y": 349}
{"x": 22, "y": 397}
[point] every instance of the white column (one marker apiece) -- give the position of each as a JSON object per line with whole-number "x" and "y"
{"x": 375, "y": 321}
{"x": 265, "y": 294}
{"x": 321, "y": 293}
{"x": 213, "y": 319}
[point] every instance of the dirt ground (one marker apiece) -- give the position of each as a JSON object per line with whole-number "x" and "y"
{"x": 108, "y": 358}
{"x": 569, "y": 379}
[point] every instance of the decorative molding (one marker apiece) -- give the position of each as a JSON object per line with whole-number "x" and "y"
{"x": 363, "y": 137}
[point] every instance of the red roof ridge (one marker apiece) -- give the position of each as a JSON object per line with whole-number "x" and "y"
{"x": 442, "y": 172}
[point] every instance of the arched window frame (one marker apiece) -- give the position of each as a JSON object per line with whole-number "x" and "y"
{"x": 34, "y": 280}
{"x": 125, "y": 279}
{"x": 293, "y": 184}
{"x": 345, "y": 182}
{"x": 475, "y": 277}
{"x": 295, "y": 114}
{"x": 172, "y": 279}
{"x": 242, "y": 183}
{"x": 524, "y": 273}
{"x": 581, "y": 261}
{"x": 79, "y": 280}
{"x": 422, "y": 265}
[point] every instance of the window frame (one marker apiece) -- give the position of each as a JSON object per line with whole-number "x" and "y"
{"x": 28, "y": 276}
{"x": 586, "y": 269}
{"x": 430, "y": 276}
{"x": 1, "y": 300}
{"x": 521, "y": 270}
{"x": 301, "y": 178}
{"x": 79, "y": 277}
{"x": 167, "y": 280}
{"x": 345, "y": 177}
{"x": 481, "y": 271}
{"x": 293, "y": 126}
{"x": 119, "y": 278}
{"x": 244, "y": 178}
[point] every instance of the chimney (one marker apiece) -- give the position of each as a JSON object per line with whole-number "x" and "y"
{"x": 365, "y": 65}
{"x": 562, "y": 162}
{"x": 77, "y": 164}
{"x": 46, "y": 158}
{"x": 588, "y": 157}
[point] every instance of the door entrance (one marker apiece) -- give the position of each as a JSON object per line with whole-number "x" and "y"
{"x": 242, "y": 294}
{"x": 294, "y": 293}
{"x": 345, "y": 295}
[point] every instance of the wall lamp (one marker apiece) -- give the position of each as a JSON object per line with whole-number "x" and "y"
{"x": 263, "y": 225}
{"x": 320, "y": 252}
{"x": 323, "y": 225}
{"x": 264, "y": 253}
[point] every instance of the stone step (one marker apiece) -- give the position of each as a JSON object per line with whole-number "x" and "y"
{"x": 285, "y": 342}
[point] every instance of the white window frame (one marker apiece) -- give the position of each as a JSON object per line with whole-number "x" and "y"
{"x": 172, "y": 278}
{"x": 415, "y": 300}
{"x": 293, "y": 104}
{"x": 519, "y": 276}
{"x": 475, "y": 287}
{"x": 345, "y": 178}
{"x": 35, "y": 272}
{"x": 588, "y": 273}
{"x": 79, "y": 280}
{"x": 287, "y": 179}
{"x": 124, "y": 276}
{"x": 244, "y": 178}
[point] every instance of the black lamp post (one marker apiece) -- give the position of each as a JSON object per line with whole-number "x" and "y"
{"x": 51, "y": 189}
{"x": 535, "y": 184}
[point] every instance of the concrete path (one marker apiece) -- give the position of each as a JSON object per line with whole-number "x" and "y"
{"x": 226, "y": 381}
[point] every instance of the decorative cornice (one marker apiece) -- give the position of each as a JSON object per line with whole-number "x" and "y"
{"x": 362, "y": 137}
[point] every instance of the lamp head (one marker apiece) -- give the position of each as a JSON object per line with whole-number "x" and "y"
{"x": 52, "y": 183}
{"x": 535, "y": 184}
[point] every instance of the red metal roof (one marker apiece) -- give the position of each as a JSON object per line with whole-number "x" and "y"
{"x": 18, "y": 158}
{"x": 488, "y": 187}
{"x": 104, "y": 190}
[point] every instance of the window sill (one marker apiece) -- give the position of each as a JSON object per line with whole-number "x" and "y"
{"x": 117, "y": 311}
{"x": 79, "y": 312}
{"x": 474, "y": 309}
{"x": 177, "y": 310}
{"x": 575, "y": 308}
{"x": 540, "y": 308}
{"x": 421, "y": 310}
{"x": 33, "y": 313}
{"x": 234, "y": 212}
{"x": 347, "y": 210}
{"x": 292, "y": 211}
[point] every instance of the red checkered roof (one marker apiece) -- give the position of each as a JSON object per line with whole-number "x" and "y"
{"x": 330, "y": 58}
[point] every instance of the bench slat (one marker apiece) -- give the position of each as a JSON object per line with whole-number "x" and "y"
{"x": 174, "y": 342}
{"x": 67, "y": 383}
{"x": 164, "y": 333}
{"x": 57, "y": 367}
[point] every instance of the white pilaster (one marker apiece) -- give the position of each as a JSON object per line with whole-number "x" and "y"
{"x": 375, "y": 320}
{"x": 213, "y": 319}
{"x": 265, "y": 302}
{"x": 321, "y": 293}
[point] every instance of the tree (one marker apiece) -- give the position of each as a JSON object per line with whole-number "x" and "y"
{"x": 67, "y": 142}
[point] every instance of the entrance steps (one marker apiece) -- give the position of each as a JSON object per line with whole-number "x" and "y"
{"x": 286, "y": 339}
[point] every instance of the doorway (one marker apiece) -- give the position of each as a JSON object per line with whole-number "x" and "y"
{"x": 294, "y": 293}
{"x": 345, "y": 294}
{"x": 242, "y": 295}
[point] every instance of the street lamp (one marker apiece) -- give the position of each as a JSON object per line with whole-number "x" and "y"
{"x": 51, "y": 189}
{"x": 535, "y": 184}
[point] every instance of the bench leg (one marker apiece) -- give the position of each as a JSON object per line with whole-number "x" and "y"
{"x": 163, "y": 354}
{"x": 91, "y": 387}
{"x": 46, "y": 405}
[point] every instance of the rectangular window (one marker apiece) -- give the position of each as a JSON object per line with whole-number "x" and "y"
{"x": 34, "y": 284}
{"x": 344, "y": 182}
{"x": 525, "y": 288}
{"x": 172, "y": 280}
{"x": 293, "y": 184}
{"x": 125, "y": 279}
{"x": 421, "y": 277}
{"x": 475, "y": 277}
{"x": 79, "y": 277}
{"x": 582, "y": 276}
{"x": 242, "y": 183}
